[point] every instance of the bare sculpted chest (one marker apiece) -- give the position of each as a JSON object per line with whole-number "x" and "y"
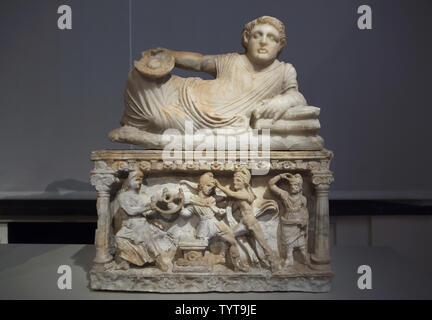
{"x": 245, "y": 208}
{"x": 293, "y": 205}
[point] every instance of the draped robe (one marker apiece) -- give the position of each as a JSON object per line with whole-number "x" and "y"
{"x": 224, "y": 102}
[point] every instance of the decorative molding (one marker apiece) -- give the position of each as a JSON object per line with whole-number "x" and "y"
{"x": 319, "y": 178}
{"x": 204, "y": 282}
{"x": 151, "y": 160}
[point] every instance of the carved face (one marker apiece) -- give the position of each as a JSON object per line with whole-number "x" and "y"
{"x": 263, "y": 44}
{"x": 238, "y": 183}
{"x": 208, "y": 187}
{"x": 135, "y": 181}
{"x": 295, "y": 187}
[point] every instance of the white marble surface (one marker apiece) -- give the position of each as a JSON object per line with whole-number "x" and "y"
{"x": 30, "y": 271}
{"x": 259, "y": 92}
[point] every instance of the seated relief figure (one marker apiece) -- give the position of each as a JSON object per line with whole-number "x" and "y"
{"x": 252, "y": 90}
{"x": 138, "y": 240}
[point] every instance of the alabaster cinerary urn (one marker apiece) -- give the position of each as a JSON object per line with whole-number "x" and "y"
{"x": 231, "y": 192}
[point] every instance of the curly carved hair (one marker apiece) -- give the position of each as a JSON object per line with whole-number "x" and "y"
{"x": 276, "y": 23}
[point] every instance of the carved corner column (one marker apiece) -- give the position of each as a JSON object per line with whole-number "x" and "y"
{"x": 321, "y": 181}
{"x": 102, "y": 178}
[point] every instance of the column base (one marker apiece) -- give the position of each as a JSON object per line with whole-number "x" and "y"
{"x": 102, "y": 257}
{"x": 320, "y": 260}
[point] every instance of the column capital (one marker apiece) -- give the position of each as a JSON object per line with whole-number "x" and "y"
{"x": 102, "y": 177}
{"x": 322, "y": 180}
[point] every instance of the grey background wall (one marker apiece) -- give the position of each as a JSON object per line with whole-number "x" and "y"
{"x": 61, "y": 90}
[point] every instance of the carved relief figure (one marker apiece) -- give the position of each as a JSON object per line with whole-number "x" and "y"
{"x": 259, "y": 91}
{"x": 294, "y": 221}
{"x": 243, "y": 197}
{"x": 204, "y": 206}
{"x": 139, "y": 241}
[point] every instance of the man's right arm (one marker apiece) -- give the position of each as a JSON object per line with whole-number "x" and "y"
{"x": 194, "y": 61}
{"x": 273, "y": 185}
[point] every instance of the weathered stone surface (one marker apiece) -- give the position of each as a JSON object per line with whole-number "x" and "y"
{"x": 199, "y": 223}
{"x": 250, "y": 92}
{"x": 137, "y": 280}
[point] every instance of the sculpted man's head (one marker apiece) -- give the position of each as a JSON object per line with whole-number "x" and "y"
{"x": 135, "y": 180}
{"x": 263, "y": 39}
{"x": 296, "y": 183}
{"x": 207, "y": 183}
{"x": 241, "y": 179}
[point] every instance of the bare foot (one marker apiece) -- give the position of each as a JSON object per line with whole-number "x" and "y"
{"x": 161, "y": 264}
